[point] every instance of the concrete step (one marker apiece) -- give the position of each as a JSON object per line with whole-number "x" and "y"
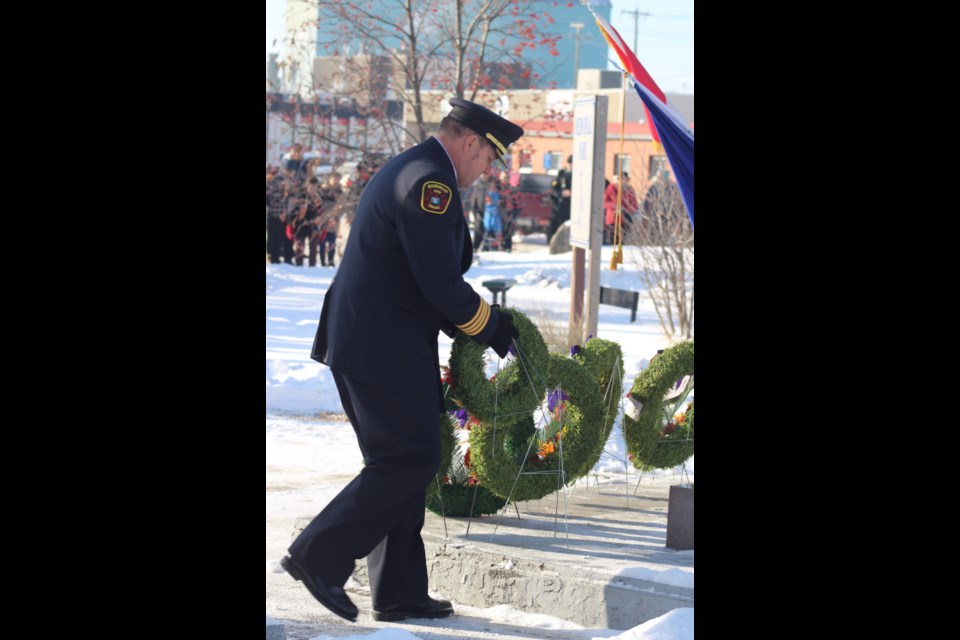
{"x": 595, "y": 555}
{"x": 275, "y": 630}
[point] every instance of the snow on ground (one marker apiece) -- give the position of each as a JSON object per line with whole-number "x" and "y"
{"x": 670, "y": 626}
{"x": 304, "y": 415}
{"x": 295, "y": 295}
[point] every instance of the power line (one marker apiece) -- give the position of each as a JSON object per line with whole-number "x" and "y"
{"x": 636, "y": 13}
{"x": 666, "y": 37}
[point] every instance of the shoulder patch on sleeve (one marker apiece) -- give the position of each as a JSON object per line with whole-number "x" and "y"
{"x": 435, "y": 197}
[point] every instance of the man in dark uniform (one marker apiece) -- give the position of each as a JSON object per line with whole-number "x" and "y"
{"x": 560, "y": 198}
{"x": 400, "y": 282}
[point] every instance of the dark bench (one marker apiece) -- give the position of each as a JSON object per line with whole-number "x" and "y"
{"x": 500, "y": 285}
{"x": 621, "y": 298}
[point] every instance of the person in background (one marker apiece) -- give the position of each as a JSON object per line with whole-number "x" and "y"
{"x": 628, "y": 207}
{"x": 305, "y": 224}
{"x": 560, "y": 197}
{"x": 492, "y": 222}
{"x": 296, "y": 158}
{"x": 476, "y": 204}
{"x": 328, "y": 242}
{"x": 399, "y": 283}
{"x": 276, "y": 199}
{"x": 510, "y": 205}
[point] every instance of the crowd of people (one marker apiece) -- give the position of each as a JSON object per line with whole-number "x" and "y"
{"x": 661, "y": 204}
{"x": 303, "y": 209}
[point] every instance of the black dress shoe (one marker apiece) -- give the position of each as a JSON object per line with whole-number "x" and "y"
{"x": 429, "y": 608}
{"x": 331, "y": 596}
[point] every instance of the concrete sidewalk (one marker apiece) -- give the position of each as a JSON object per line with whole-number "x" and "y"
{"x": 596, "y": 556}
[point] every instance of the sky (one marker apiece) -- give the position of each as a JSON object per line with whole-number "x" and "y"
{"x": 312, "y": 451}
{"x": 664, "y": 39}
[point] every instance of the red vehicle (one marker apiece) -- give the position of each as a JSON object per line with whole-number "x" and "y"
{"x": 535, "y": 209}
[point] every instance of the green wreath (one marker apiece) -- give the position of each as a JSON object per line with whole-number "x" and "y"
{"x": 457, "y": 499}
{"x": 511, "y": 393}
{"x": 497, "y": 462}
{"x": 662, "y": 451}
{"x": 600, "y": 357}
{"x": 649, "y": 438}
{"x": 456, "y": 494}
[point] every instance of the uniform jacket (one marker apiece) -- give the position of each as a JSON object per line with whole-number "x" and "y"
{"x": 401, "y": 278}
{"x": 558, "y": 201}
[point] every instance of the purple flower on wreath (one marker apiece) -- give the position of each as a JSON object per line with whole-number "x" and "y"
{"x": 554, "y": 398}
{"x": 461, "y": 417}
{"x": 574, "y": 350}
{"x": 511, "y": 350}
{"x": 589, "y": 338}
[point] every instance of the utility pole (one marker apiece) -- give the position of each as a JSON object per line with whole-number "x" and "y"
{"x": 576, "y": 64}
{"x": 636, "y": 14}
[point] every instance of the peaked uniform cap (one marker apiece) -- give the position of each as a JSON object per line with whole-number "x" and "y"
{"x": 499, "y": 132}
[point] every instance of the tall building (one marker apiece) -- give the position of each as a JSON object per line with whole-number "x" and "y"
{"x": 541, "y": 66}
{"x": 300, "y": 44}
{"x": 559, "y": 71}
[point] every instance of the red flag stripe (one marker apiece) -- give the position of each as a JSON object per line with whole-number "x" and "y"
{"x": 628, "y": 58}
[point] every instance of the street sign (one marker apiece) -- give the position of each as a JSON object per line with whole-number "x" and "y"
{"x": 589, "y": 149}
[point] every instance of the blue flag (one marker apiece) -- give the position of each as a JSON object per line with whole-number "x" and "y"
{"x": 677, "y": 140}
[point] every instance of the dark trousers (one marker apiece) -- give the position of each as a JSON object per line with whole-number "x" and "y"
{"x": 300, "y": 247}
{"x": 478, "y": 233}
{"x": 379, "y": 515}
{"x": 327, "y": 249}
{"x": 560, "y": 216}
{"x": 276, "y": 237}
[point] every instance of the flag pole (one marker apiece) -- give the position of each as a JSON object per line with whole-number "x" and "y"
{"x": 617, "y": 256}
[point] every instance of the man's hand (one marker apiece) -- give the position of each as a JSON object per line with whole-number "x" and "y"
{"x": 502, "y": 338}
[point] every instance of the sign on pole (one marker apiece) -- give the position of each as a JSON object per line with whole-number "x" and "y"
{"x": 586, "y": 211}
{"x": 589, "y": 148}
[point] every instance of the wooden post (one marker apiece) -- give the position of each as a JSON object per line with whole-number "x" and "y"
{"x": 593, "y": 286}
{"x": 576, "y": 297}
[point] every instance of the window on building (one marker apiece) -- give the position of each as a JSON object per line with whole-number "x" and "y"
{"x": 526, "y": 160}
{"x": 617, "y": 159}
{"x": 552, "y": 160}
{"x": 657, "y": 164}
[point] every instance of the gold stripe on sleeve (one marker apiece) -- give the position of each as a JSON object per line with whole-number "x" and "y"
{"x": 479, "y": 320}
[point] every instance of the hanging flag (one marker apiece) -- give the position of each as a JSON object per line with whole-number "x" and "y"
{"x": 677, "y": 142}
{"x": 630, "y": 63}
{"x": 666, "y": 127}
{"x": 627, "y": 57}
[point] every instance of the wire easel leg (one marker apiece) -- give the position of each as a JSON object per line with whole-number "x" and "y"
{"x": 526, "y": 366}
{"x": 476, "y": 488}
{"x": 562, "y": 486}
{"x": 443, "y": 512}
{"x": 642, "y": 473}
{"x": 517, "y": 479}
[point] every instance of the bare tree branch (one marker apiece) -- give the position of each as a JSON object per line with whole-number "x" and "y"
{"x": 664, "y": 236}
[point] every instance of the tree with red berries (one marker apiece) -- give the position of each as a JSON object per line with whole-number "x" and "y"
{"x": 380, "y": 56}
